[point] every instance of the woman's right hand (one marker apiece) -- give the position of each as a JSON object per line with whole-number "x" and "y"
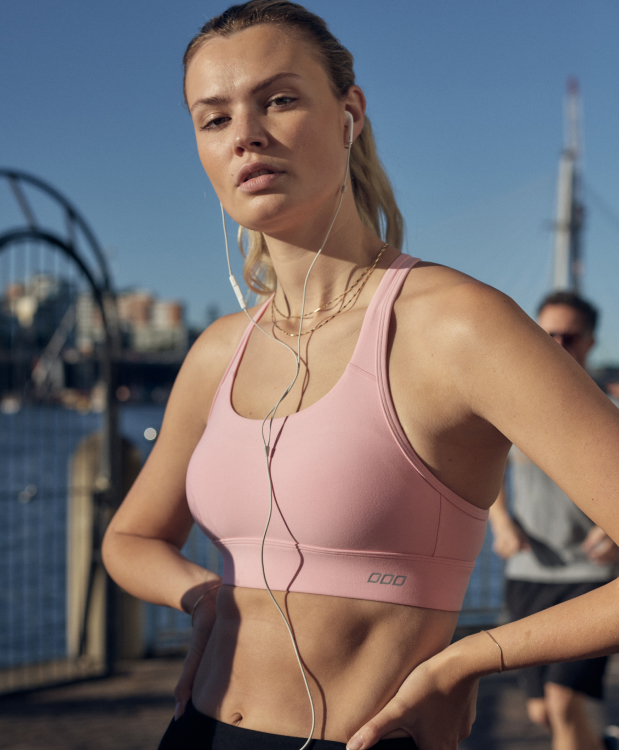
{"x": 204, "y": 614}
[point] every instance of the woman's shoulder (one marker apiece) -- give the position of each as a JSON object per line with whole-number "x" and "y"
{"x": 217, "y": 343}
{"x": 440, "y": 299}
{"x": 457, "y": 328}
{"x": 206, "y": 362}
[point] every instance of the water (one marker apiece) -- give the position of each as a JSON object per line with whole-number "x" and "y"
{"x": 36, "y": 445}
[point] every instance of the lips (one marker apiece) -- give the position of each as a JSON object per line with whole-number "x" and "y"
{"x": 253, "y": 175}
{"x": 259, "y": 173}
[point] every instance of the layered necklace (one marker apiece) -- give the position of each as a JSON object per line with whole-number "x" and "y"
{"x": 358, "y": 285}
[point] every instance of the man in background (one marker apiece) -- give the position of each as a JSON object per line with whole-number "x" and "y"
{"x": 554, "y": 552}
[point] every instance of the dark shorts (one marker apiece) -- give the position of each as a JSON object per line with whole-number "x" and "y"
{"x": 196, "y": 731}
{"x": 524, "y": 598}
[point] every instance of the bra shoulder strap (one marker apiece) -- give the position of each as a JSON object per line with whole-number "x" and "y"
{"x": 225, "y": 384}
{"x": 371, "y": 347}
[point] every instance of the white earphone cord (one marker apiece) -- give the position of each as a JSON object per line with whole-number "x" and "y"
{"x": 271, "y": 414}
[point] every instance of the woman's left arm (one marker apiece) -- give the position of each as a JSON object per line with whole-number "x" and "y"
{"x": 512, "y": 374}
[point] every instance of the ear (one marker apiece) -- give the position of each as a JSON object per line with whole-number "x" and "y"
{"x": 355, "y": 104}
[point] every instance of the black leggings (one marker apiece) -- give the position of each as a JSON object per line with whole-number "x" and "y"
{"x": 196, "y": 731}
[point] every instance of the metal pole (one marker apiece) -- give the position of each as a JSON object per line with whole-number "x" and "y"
{"x": 568, "y": 267}
{"x": 111, "y": 467}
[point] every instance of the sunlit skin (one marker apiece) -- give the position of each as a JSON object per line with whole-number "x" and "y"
{"x": 469, "y": 372}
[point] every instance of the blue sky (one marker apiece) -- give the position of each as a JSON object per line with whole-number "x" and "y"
{"x": 466, "y": 99}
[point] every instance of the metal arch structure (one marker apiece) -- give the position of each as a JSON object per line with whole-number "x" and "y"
{"x": 16, "y": 236}
{"x": 72, "y": 216}
{"x": 109, "y": 481}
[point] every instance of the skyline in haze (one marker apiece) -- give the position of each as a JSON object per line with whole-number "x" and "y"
{"x": 466, "y": 101}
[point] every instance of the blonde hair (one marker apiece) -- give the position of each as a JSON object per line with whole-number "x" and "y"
{"x": 372, "y": 190}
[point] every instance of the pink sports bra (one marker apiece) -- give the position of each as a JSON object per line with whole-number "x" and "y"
{"x": 356, "y": 512}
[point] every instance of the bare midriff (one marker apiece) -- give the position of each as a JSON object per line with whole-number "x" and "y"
{"x": 356, "y": 653}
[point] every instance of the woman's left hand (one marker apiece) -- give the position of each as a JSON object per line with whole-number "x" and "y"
{"x": 203, "y": 619}
{"x": 435, "y": 705}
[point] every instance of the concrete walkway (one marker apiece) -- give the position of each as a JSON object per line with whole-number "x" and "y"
{"x": 128, "y": 711}
{"x": 131, "y": 710}
{"x": 502, "y": 722}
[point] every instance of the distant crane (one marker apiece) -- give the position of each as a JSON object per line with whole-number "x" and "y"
{"x": 568, "y": 265}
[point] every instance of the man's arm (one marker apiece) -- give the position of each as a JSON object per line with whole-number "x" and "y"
{"x": 508, "y": 537}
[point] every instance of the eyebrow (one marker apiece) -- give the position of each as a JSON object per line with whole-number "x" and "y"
{"x": 215, "y": 100}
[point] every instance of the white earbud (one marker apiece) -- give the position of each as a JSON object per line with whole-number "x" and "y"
{"x": 351, "y": 125}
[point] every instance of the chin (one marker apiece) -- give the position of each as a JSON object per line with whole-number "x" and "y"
{"x": 265, "y": 214}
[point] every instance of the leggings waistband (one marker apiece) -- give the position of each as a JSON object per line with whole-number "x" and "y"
{"x": 196, "y": 730}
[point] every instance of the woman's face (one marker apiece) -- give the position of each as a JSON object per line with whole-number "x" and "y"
{"x": 271, "y": 134}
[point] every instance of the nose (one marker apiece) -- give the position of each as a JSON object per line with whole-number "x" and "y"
{"x": 249, "y": 135}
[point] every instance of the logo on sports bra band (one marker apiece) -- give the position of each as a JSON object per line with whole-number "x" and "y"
{"x": 387, "y": 579}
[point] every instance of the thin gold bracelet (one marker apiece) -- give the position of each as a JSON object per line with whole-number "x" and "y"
{"x": 202, "y": 595}
{"x": 501, "y": 662}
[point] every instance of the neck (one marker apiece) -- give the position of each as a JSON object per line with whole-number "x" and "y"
{"x": 349, "y": 248}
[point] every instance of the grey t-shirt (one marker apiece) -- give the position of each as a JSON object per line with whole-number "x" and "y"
{"x": 555, "y": 526}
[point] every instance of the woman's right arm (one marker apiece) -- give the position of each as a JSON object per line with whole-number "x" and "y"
{"x": 141, "y": 548}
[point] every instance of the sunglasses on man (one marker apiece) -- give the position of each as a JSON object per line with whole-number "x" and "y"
{"x": 566, "y": 339}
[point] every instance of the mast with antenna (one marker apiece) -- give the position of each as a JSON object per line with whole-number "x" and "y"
{"x": 568, "y": 266}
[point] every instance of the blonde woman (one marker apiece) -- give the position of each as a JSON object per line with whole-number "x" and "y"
{"x": 382, "y": 458}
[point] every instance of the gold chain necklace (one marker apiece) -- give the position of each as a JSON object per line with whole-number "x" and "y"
{"x": 328, "y": 305}
{"x": 365, "y": 276}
